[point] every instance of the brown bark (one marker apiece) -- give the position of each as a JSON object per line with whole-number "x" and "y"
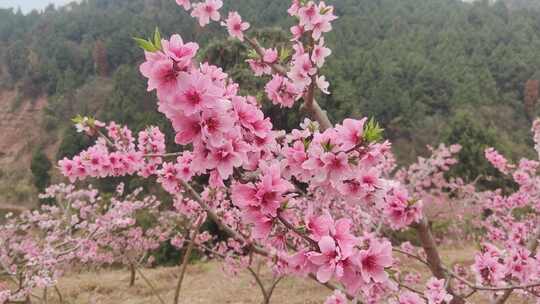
{"x": 185, "y": 262}
{"x": 433, "y": 258}
{"x": 132, "y": 275}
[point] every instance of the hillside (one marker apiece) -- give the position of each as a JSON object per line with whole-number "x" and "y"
{"x": 522, "y": 4}
{"x": 20, "y": 130}
{"x": 427, "y": 70}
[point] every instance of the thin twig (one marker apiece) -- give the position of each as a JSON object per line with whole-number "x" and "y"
{"x": 289, "y": 226}
{"x": 532, "y": 246}
{"x": 109, "y": 142}
{"x": 185, "y": 262}
{"x": 60, "y": 297}
{"x": 277, "y": 68}
{"x": 183, "y": 268}
{"x": 261, "y": 285}
{"x": 331, "y": 286}
{"x": 154, "y": 291}
{"x": 213, "y": 216}
{"x": 433, "y": 259}
{"x": 164, "y": 154}
{"x": 231, "y": 233}
{"x": 132, "y": 275}
{"x": 310, "y": 106}
{"x": 410, "y": 255}
{"x": 273, "y": 287}
{"x": 45, "y": 300}
{"x": 470, "y": 294}
{"x": 421, "y": 294}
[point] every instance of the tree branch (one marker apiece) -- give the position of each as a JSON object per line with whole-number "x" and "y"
{"x": 154, "y": 291}
{"x": 231, "y": 233}
{"x": 261, "y": 285}
{"x": 213, "y": 216}
{"x": 411, "y": 256}
{"x": 164, "y": 154}
{"x": 433, "y": 259}
{"x": 273, "y": 287}
{"x": 532, "y": 246}
{"x": 276, "y": 67}
{"x": 289, "y": 226}
{"x": 185, "y": 261}
{"x": 59, "y": 294}
{"x": 310, "y": 106}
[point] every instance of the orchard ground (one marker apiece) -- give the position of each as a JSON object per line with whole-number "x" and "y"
{"x": 207, "y": 283}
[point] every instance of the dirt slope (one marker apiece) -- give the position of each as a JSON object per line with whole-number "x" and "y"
{"x": 21, "y": 133}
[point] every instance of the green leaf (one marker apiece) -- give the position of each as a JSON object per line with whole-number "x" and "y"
{"x": 372, "y": 131}
{"x": 312, "y": 126}
{"x": 327, "y": 146}
{"x": 391, "y": 272}
{"x": 284, "y": 204}
{"x": 307, "y": 143}
{"x": 259, "y": 97}
{"x": 412, "y": 202}
{"x": 157, "y": 39}
{"x": 284, "y": 54}
{"x": 145, "y": 45}
{"x": 326, "y": 10}
{"x": 252, "y": 54}
{"x": 77, "y": 119}
{"x": 353, "y": 161}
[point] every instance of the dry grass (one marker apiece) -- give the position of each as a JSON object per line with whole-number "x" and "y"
{"x": 204, "y": 283}
{"x": 207, "y": 283}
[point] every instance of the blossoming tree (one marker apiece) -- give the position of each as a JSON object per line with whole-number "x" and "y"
{"x": 82, "y": 228}
{"x": 317, "y": 202}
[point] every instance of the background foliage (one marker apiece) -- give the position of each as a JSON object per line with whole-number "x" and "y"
{"x": 427, "y": 70}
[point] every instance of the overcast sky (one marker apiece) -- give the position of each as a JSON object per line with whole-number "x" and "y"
{"x": 28, "y": 5}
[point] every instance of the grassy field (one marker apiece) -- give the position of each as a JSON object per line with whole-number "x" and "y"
{"x": 207, "y": 283}
{"x": 204, "y": 283}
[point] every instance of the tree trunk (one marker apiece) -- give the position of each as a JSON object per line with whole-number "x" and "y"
{"x": 132, "y": 275}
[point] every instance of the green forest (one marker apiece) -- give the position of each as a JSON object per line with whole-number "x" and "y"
{"x": 428, "y": 71}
